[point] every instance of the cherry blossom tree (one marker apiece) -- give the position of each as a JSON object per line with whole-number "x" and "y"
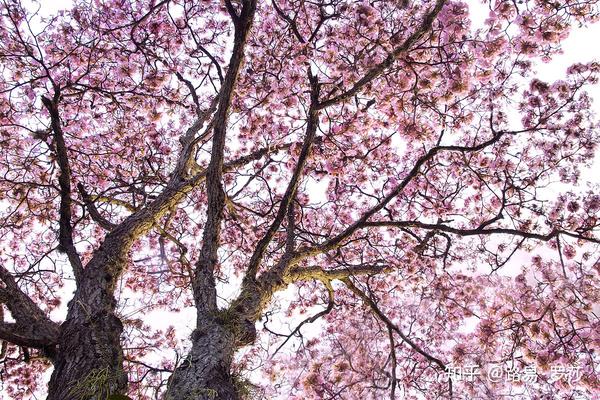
{"x": 353, "y": 197}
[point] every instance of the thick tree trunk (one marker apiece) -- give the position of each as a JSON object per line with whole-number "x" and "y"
{"x": 89, "y": 358}
{"x": 206, "y": 373}
{"x": 89, "y": 362}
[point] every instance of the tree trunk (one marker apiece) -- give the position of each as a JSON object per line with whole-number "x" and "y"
{"x": 89, "y": 358}
{"x": 206, "y": 373}
{"x": 89, "y": 363}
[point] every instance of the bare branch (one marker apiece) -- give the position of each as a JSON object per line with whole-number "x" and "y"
{"x": 311, "y": 319}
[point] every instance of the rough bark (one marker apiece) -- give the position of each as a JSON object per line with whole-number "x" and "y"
{"x": 89, "y": 361}
{"x": 91, "y": 325}
{"x": 206, "y": 372}
{"x": 32, "y": 328}
{"x": 65, "y": 239}
{"x": 204, "y": 283}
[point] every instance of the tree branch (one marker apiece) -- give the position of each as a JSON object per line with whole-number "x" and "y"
{"x": 318, "y": 273}
{"x": 310, "y": 320}
{"x": 256, "y": 294}
{"x": 32, "y": 327}
{"x": 391, "y": 326}
{"x": 204, "y": 282}
{"x": 377, "y": 70}
{"x": 349, "y": 231}
{"x": 65, "y": 238}
{"x": 94, "y": 213}
{"x": 290, "y": 193}
{"x": 482, "y": 230}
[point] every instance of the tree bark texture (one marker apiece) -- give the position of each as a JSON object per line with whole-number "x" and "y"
{"x": 206, "y": 372}
{"x": 89, "y": 360}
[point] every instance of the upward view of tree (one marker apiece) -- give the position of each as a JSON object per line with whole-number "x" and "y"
{"x": 353, "y": 197}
